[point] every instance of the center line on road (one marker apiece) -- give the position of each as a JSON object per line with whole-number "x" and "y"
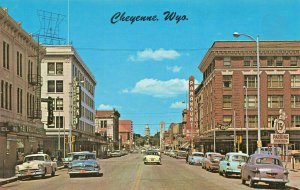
{"x": 137, "y": 180}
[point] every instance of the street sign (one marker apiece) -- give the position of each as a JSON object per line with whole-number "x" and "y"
{"x": 280, "y": 139}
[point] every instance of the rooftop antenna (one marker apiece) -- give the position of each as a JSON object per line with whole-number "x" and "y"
{"x": 48, "y": 33}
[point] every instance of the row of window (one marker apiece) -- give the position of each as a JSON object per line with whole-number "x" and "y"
{"x": 252, "y": 120}
{"x": 274, "y": 81}
{"x": 101, "y": 123}
{"x": 58, "y": 122}
{"x": 87, "y": 85}
{"x": 274, "y": 101}
{"x": 55, "y": 68}
{"x": 272, "y": 61}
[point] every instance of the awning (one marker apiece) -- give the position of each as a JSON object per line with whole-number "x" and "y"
{"x": 185, "y": 145}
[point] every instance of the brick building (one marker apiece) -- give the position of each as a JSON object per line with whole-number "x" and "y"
{"x": 229, "y": 68}
{"x": 126, "y": 133}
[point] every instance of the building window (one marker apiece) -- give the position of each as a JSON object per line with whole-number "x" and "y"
{"x": 59, "y": 86}
{"x": 19, "y": 64}
{"x": 227, "y": 119}
{"x": 275, "y": 101}
{"x": 227, "y": 79}
{"x": 19, "y": 100}
{"x": 59, "y": 103}
{"x": 250, "y": 81}
{"x": 271, "y": 120}
{"x": 2, "y": 94}
{"x": 51, "y": 68}
{"x": 252, "y": 102}
{"x": 295, "y": 81}
{"x": 252, "y": 121}
{"x": 59, "y": 121}
{"x": 227, "y": 101}
{"x": 293, "y": 61}
{"x": 247, "y": 61}
{"x": 295, "y": 120}
{"x": 275, "y": 81}
{"x": 227, "y": 61}
{"x": 6, "y": 95}
{"x": 254, "y": 61}
{"x": 10, "y": 97}
{"x": 270, "y": 61}
{"x": 51, "y": 86}
{"x": 59, "y": 68}
{"x": 295, "y": 101}
{"x": 5, "y": 55}
{"x": 279, "y": 61}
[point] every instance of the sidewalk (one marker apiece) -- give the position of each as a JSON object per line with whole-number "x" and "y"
{"x": 4, "y": 181}
{"x": 294, "y": 177}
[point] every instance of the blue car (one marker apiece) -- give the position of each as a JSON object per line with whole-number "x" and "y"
{"x": 196, "y": 158}
{"x": 232, "y": 163}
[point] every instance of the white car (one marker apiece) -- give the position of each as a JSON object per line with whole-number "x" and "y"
{"x": 36, "y": 165}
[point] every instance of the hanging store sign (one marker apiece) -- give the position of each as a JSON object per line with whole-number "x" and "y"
{"x": 76, "y": 101}
{"x": 191, "y": 99}
{"x": 280, "y": 139}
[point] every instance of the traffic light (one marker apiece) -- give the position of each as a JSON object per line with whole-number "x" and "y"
{"x": 50, "y": 111}
{"x": 73, "y": 139}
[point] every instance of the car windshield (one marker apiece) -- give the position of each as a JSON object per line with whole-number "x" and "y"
{"x": 31, "y": 158}
{"x": 84, "y": 157}
{"x": 268, "y": 160}
{"x": 239, "y": 158}
{"x": 198, "y": 155}
{"x": 217, "y": 157}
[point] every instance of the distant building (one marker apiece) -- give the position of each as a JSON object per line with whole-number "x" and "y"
{"x": 107, "y": 125}
{"x": 126, "y": 133}
{"x": 71, "y": 85}
{"x": 21, "y": 129}
{"x": 147, "y": 131}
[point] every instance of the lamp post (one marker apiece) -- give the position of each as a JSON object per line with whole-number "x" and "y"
{"x": 247, "y": 138}
{"x": 236, "y": 34}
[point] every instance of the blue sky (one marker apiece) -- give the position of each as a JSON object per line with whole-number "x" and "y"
{"x": 142, "y": 68}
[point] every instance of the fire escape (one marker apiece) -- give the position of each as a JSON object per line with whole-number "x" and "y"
{"x": 35, "y": 81}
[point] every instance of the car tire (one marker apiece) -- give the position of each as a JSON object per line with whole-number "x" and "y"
{"x": 226, "y": 174}
{"x": 220, "y": 173}
{"x": 71, "y": 175}
{"x": 53, "y": 173}
{"x": 44, "y": 175}
{"x": 243, "y": 181}
{"x": 251, "y": 183}
{"x": 20, "y": 178}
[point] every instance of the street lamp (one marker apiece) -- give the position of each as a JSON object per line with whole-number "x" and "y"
{"x": 247, "y": 141}
{"x": 236, "y": 34}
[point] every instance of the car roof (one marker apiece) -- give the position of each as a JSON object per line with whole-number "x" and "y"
{"x": 36, "y": 155}
{"x": 264, "y": 156}
{"x": 236, "y": 153}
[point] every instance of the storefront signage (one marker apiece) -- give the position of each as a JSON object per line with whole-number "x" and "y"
{"x": 191, "y": 100}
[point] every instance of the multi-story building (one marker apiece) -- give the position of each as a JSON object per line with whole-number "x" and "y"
{"x": 126, "y": 133}
{"x": 229, "y": 69}
{"x": 107, "y": 125}
{"x": 71, "y": 85}
{"x": 21, "y": 129}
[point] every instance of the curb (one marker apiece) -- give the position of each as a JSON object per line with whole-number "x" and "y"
{"x": 292, "y": 187}
{"x": 13, "y": 179}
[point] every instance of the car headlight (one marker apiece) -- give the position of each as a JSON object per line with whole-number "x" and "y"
{"x": 96, "y": 165}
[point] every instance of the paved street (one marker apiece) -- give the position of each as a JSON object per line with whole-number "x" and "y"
{"x": 129, "y": 173}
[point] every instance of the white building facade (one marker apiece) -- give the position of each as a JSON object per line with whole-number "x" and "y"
{"x": 62, "y": 70}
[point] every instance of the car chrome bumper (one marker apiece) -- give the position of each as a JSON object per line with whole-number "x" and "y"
{"x": 270, "y": 180}
{"x": 84, "y": 171}
{"x": 30, "y": 173}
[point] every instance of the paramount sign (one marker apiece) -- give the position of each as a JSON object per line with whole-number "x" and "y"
{"x": 280, "y": 139}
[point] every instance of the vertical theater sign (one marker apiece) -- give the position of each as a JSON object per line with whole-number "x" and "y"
{"x": 191, "y": 106}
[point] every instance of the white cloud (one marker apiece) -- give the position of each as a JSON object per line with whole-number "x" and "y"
{"x": 161, "y": 89}
{"x": 106, "y": 107}
{"x": 156, "y": 55}
{"x": 174, "y": 69}
{"x": 178, "y": 105}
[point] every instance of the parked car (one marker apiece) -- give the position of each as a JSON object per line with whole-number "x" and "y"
{"x": 116, "y": 153}
{"x": 180, "y": 154}
{"x": 173, "y": 153}
{"x": 211, "y": 161}
{"x": 152, "y": 157}
{"x": 36, "y": 165}
{"x": 264, "y": 168}
{"x": 196, "y": 158}
{"x": 232, "y": 163}
{"x": 84, "y": 163}
{"x": 68, "y": 159}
